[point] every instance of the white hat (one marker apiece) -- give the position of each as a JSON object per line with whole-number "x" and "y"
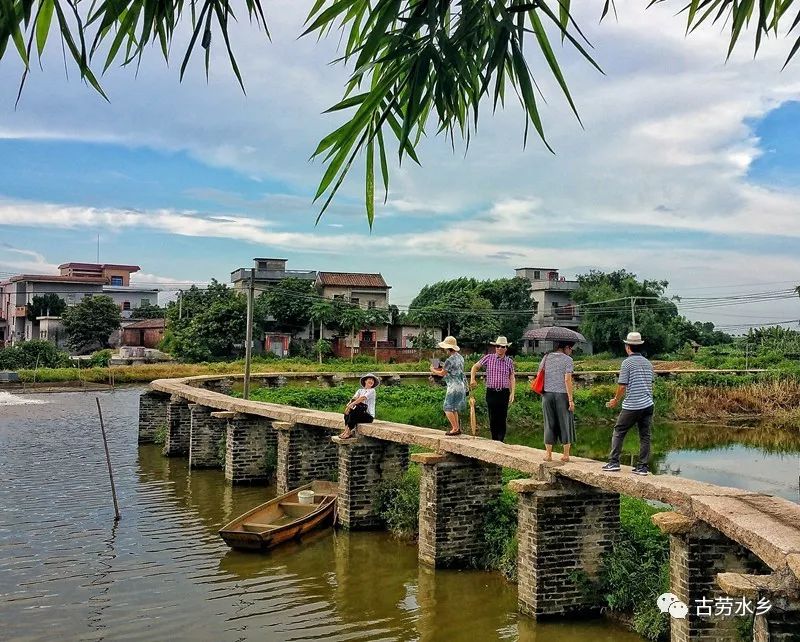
{"x": 450, "y": 343}
{"x": 633, "y": 339}
{"x": 372, "y": 376}
{"x": 500, "y": 341}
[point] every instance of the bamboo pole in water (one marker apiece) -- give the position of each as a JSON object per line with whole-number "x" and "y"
{"x": 117, "y": 516}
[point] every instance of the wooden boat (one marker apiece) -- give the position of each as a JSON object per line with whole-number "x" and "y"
{"x": 283, "y": 518}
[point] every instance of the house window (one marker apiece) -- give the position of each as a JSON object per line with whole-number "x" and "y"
{"x": 354, "y": 300}
{"x": 536, "y": 274}
{"x": 126, "y": 305}
{"x": 144, "y": 303}
{"x": 371, "y": 304}
{"x": 116, "y": 280}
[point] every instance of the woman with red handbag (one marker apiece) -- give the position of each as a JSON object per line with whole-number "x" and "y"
{"x": 558, "y": 405}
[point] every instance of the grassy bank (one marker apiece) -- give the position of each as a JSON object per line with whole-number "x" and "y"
{"x": 632, "y": 576}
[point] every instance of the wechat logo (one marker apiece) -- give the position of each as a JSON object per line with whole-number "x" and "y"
{"x": 669, "y": 603}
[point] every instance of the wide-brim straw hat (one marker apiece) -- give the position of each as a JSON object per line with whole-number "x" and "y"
{"x": 633, "y": 339}
{"x": 500, "y": 341}
{"x": 450, "y": 343}
{"x": 373, "y": 376}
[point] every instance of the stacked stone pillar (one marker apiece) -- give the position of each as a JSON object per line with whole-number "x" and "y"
{"x": 564, "y": 529}
{"x": 363, "y": 464}
{"x": 250, "y": 445}
{"x": 697, "y": 554}
{"x": 305, "y": 453}
{"x": 205, "y": 434}
{"x": 152, "y": 415}
{"x": 453, "y": 494}
{"x": 178, "y": 427}
{"x": 223, "y": 386}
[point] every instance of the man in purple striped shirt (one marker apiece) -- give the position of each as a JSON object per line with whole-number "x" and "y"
{"x": 499, "y": 385}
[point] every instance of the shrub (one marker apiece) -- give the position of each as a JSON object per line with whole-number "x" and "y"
{"x": 100, "y": 359}
{"x": 397, "y": 503}
{"x": 160, "y": 436}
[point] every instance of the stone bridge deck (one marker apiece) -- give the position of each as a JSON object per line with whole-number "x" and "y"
{"x": 745, "y": 542}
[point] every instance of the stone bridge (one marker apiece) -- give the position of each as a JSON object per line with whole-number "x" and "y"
{"x": 723, "y": 541}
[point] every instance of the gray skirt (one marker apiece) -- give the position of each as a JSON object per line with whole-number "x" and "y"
{"x": 559, "y": 422}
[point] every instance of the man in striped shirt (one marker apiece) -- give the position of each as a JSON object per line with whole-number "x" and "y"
{"x": 499, "y": 385}
{"x": 635, "y": 382}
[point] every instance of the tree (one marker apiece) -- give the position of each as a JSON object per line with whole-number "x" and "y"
{"x": 475, "y": 311}
{"x": 50, "y": 305}
{"x": 412, "y": 59}
{"x": 148, "y": 311}
{"x": 322, "y": 313}
{"x": 352, "y": 317}
{"x": 91, "y": 322}
{"x": 208, "y": 324}
{"x": 288, "y": 302}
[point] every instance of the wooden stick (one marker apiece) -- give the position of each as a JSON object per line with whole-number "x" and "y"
{"x": 117, "y": 516}
{"x": 473, "y": 421}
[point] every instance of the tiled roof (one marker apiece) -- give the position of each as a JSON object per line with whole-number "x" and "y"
{"x": 147, "y": 323}
{"x": 352, "y": 279}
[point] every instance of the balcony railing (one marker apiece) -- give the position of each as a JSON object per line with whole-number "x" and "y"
{"x": 553, "y": 284}
{"x": 566, "y": 320}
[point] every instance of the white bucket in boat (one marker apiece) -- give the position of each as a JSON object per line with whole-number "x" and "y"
{"x": 306, "y": 496}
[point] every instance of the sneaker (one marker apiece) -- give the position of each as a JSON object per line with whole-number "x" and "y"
{"x": 641, "y": 470}
{"x": 611, "y": 468}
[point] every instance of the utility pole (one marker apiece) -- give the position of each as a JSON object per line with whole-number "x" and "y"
{"x": 248, "y": 346}
{"x": 633, "y": 314}
{"x": 180, "y": 304}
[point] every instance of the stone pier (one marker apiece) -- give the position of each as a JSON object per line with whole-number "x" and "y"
{"x": 223, "y": 386}
{"x": 178, "y": 427}
{"x": 250, "y": 447}
{"x": 564, "y": 529}
{"x": 363, "y": 464}
{"x": 305, "y": 453}
{"x": 453, "y": 494}
{"x": 152, "y": 415}
{"x": 204, "y": 437}
{"x": 697, "y": 554}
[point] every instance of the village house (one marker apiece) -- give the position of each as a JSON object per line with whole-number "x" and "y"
{"x": 356, "y": 288}
{"x": 551, "y": 299}
{"x": 74, "y": 282}
{"x": 267, "y": 272}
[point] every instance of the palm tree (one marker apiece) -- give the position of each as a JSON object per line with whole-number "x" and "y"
{"x": 353, "y": 317}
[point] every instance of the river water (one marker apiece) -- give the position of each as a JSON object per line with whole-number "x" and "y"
{"x": 68, "y": 572}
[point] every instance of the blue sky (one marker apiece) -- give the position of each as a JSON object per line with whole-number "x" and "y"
{"x": 686, "y": 169}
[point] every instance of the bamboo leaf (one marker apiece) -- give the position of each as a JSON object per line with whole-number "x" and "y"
{"x": 370, "y": 186}
{"x": 43, "y": 24}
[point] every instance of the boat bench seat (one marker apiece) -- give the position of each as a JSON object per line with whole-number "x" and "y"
{"x": 253, "y": 526}
{"x": 296, "y": 509}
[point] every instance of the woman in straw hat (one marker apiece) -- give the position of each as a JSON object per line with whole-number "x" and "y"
{"x": 453, "y": 372}
{"x": 361, "y": 408}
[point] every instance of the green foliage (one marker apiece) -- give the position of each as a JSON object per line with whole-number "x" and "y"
{"x": 148, "y": 311}
{"x": 475, "y": 311}
{"x": 498, "y": 534}
{"x": 285, "y": 306}
{"x": 397, "y": 503}
{"x": 206, "y": 325}
{"x": 160, "y": 436}
{"x": 323, "y": 348}
{"x": 636, "y": 571}
{"x": 100, "y": 359}
{"x": 50, "y": 305}
{"x": 91, "y": 322}
{"x": 33, "y": 354}
{"x": 222, "y": 449}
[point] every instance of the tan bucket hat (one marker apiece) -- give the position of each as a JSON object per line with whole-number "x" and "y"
{"x": 500, "y": 341}
{"x": 450, "y": 343}
{"x": 633, "y": 339}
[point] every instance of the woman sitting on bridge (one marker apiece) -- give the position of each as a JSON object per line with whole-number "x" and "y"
{"x": 361, "y": 408}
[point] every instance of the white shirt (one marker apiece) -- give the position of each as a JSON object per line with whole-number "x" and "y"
{"x": 369, "y": 393}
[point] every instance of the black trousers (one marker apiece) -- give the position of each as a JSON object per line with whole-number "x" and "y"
{"x": 643, "y": 419}
{"x": 497, "y": 403}
{"x": 358, "y": 415}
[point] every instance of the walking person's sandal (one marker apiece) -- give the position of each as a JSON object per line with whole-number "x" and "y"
{"x": 452, "y": 433}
